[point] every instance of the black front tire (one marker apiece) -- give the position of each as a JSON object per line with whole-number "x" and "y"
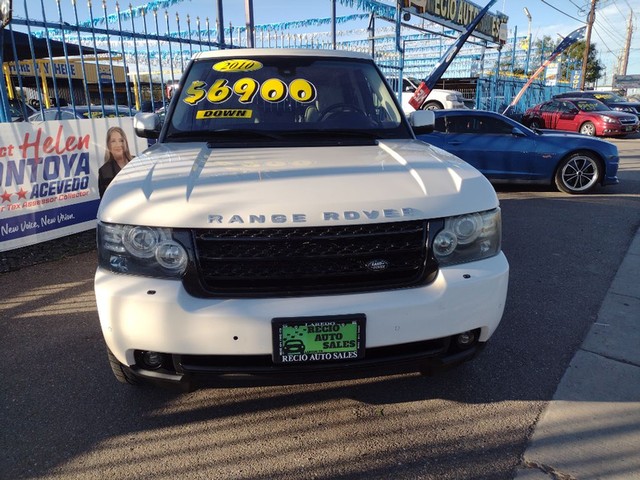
{"x": 578, "y": 173}
{"x": 122, "y": 372}
{"x": 433, "y": 106}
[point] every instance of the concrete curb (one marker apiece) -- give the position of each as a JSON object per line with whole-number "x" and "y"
{"x": 591, "y": 428}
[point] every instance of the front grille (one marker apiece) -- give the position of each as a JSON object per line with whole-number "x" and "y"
{"x": 310, "y": 260}
{"x": 628, "y": 121}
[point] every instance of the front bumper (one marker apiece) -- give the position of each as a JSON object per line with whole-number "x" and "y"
{"x": 186, "y": 373}
{"x": 407, "y": 329}
{"x": 454, "y": 104}
{"x": 615, "y": 130}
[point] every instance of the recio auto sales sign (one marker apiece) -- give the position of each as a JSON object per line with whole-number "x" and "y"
{"x": 458, "y": 13}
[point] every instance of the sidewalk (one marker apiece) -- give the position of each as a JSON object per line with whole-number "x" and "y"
{"x": 591, "y": 428}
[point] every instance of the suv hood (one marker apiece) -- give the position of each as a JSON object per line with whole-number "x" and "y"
{"x": 625, "y": 104}
{"x": 633, "y": 105}
{"x": 235, "y": 187}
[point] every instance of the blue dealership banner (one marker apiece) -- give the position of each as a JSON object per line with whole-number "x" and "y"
{"x": 425, "y": 87}
{"x": 566, "y": 42}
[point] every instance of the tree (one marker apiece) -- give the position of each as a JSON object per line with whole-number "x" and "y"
{"x": 571, "y": 58}
{"x": 594, "y": 67}
{"x": 543, "y": 49}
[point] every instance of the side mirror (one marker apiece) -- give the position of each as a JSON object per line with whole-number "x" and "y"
{"x": 516, "y": 132}
{"x": 147, "y": 125}
{"x": 422, "y": 121}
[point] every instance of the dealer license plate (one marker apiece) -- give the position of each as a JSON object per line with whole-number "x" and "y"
{"x": 318, "y": 339}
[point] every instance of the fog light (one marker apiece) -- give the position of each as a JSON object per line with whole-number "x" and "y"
{"x": 152, "y": 360}
{"x": 118, "y": 264}
{"x": 466, "y": 339}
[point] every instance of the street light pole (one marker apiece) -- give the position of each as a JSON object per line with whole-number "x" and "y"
{"x": 526, "y": 65}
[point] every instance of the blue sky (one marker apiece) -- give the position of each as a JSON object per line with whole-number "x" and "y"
{"x": 549, "y": 17}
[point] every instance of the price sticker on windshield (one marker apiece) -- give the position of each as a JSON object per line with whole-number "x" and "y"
{"x": 246, "y": 89}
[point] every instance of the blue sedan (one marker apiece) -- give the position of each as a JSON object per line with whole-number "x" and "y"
{"x": 505, "y": 151}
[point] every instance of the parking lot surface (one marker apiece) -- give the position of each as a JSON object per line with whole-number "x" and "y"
{"x": 63, "y": 415}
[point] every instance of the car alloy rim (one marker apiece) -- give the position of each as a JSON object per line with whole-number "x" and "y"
{"x": 580, "y": 173}
{"x": 588, "y": 129}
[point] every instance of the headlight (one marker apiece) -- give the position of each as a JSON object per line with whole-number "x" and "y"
{"x": 141, "y": 242}
{"x": 140, "y": 250}
{"x": 609, "y": 119}
{"x": 467, "y": 238}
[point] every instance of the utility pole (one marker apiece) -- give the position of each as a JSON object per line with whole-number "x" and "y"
{"x": 248, "y": 13}
{"x": 625, "y": 57}
{"x": 220, "y": 24}
{"x": 333, "y": 23}
{"x": 585, "y": 57}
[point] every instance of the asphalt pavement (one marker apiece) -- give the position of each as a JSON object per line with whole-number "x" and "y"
{"x": 591, "y": 428}
{"x": 62, "y": 414}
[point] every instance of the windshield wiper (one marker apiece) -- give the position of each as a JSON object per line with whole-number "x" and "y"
{"x": 232, "y": 137}
{"x": 239, "y": 137}
{"x": 332, "y": 134}
{"x": 222, "y": 135}
{"x": 235, "y": 134}
{"x": 195, "y": 135}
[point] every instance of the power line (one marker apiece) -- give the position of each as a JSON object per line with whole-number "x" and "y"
{"x": 564, "y": 13}
{"x": 618, "y": 8}
{"x": 615, "y": 4}
{"x": 620, "y": 37}
{"x": 604, "y": 43}
{"x": 581, "y": 9}
{"x": 629, "y": 5}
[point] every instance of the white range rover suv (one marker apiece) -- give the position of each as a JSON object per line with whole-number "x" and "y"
{"x": 287, "y": 224}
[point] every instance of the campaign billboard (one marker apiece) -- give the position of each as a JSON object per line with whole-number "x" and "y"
{"x": 49, "y": 176}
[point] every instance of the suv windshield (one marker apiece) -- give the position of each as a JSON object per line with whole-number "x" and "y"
{"x": 270, "y": 99}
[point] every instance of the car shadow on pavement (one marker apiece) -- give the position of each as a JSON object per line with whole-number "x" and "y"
{"x": 63, "y": 414}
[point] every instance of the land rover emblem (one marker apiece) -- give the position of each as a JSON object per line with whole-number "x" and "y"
{"x": 377, "y": 265}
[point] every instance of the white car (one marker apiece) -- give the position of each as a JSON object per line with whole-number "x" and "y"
{"x": 288, "y": 223}
{"x": 438, "y": 98}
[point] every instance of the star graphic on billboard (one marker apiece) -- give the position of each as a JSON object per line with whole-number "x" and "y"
{"x": 6, "y": 197}
{"x": 22, "y": 194}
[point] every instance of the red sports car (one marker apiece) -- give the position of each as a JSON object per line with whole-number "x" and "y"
{"x": 585, "y": 115}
